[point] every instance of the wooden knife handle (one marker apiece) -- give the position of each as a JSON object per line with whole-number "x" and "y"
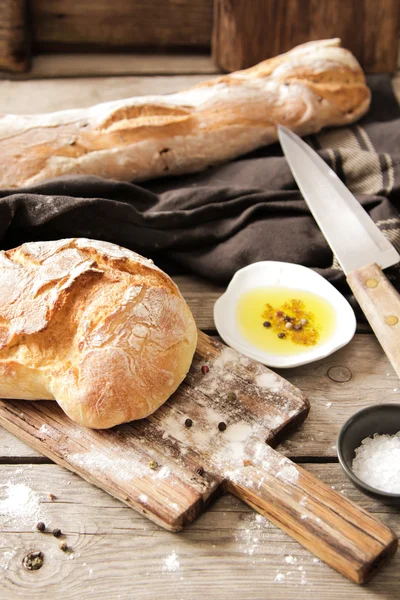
{"x": 335, "y": 529}
{"x": 380, "y": 303}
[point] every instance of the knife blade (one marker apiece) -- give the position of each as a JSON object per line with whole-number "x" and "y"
{"x": 359, "y": 245}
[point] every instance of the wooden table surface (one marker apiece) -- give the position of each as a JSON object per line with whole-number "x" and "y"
{"x": 228, "y": 552}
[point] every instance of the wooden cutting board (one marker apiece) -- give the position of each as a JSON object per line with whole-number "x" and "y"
{"x": 169, "y": 471}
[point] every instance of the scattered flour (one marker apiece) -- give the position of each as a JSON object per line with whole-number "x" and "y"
{"x": 21, "y": 505}
{"x": 295, "y": 577}
{"x": 254, "y": 534}
{"x": 171, "y": 563}
{"x": 125, "y": 468}
{"x": 6, "y": 558}
{"x": 260, "y": 520}
{"x": 143, "y": 498}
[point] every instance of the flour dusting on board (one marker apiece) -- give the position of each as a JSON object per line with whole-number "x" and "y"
{"x": 228, "y": 355}
{"x": 269, "y": 381}
{"x": 45, "y": 429}
{"x": 288, "y": 473}
{"x": 241, "y": 405}
{"x": 96, "y": 460}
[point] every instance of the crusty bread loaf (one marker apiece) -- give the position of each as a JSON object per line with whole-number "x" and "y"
{"x": 313, "y": 86}
{"x": 95, "y": 326}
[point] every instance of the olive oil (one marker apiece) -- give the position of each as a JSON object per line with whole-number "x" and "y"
{"x": 251, "y": 311}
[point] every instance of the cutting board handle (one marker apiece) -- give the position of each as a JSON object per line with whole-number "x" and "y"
{"x": 380, "y": 303}
{"x": 335, "y": 529}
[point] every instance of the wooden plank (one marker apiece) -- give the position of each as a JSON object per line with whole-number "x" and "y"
{"x": 45, "y": 66}
{"x": 372, "y": 380}
{"x": 122, "y": 24}
{"x": 14, "y": 36}
{"x": 116, "y": 553}
{"x": 239, "y": 39}
{"x": 47, "y": 95}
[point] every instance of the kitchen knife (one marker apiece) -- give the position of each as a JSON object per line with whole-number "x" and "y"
{"x": 359, "y": 245}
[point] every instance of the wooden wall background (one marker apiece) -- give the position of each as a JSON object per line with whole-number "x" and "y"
{"x": 14, "y": 36}
{"x": 241, "y": 32}
{"x": 243, "y": 37}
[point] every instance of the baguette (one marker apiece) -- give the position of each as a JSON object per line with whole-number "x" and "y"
{"x": 94, "y": 326}
{"x": 314, "y": 85}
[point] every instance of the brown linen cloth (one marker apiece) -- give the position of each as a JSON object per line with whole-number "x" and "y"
{"x": 215, "y": 222}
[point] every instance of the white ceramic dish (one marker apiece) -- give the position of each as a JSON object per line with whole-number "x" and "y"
{"x": 288, "y": 275}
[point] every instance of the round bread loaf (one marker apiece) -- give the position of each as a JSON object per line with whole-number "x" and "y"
{"x": 94, "y": 326}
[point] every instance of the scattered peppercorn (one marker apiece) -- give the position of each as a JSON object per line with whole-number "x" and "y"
{"x": 205, "y": 369}
{"x": 222, "y": 426}
{"x": 57, "y": 532}
{"x": 304, "y": 321}
{"x": 298, "y": 327}
{"x": 52, "y": 497}
{"x": 279, "y": 313}
{"x": 287, "y": 319}
{"x": 281, "y": 335}
{"x": 40, "y": 526}
{"x": 153, "y": 464}
{"x": 267, "y": 324}
{"x": 200, "y": 471}
{"x": 289, "y": 325}
{"x": 63, "y": 546}
{"x": 33, "y": 561}
{"x": 232, "y": 396}
{"x": 188, "y": 423}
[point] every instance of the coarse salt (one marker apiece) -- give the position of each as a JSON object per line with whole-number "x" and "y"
{"x": 377, "y": 462}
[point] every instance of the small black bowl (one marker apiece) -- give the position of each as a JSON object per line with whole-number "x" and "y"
{"x": 380, "y": 418}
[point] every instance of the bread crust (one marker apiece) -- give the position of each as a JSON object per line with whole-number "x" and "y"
{"x": 94, "y": 326}
{"x": 314, "y": 85}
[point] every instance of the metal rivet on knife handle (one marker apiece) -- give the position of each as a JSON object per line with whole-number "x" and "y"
{"x": 371, "y": 283}
{"x": 391, "y": 320}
